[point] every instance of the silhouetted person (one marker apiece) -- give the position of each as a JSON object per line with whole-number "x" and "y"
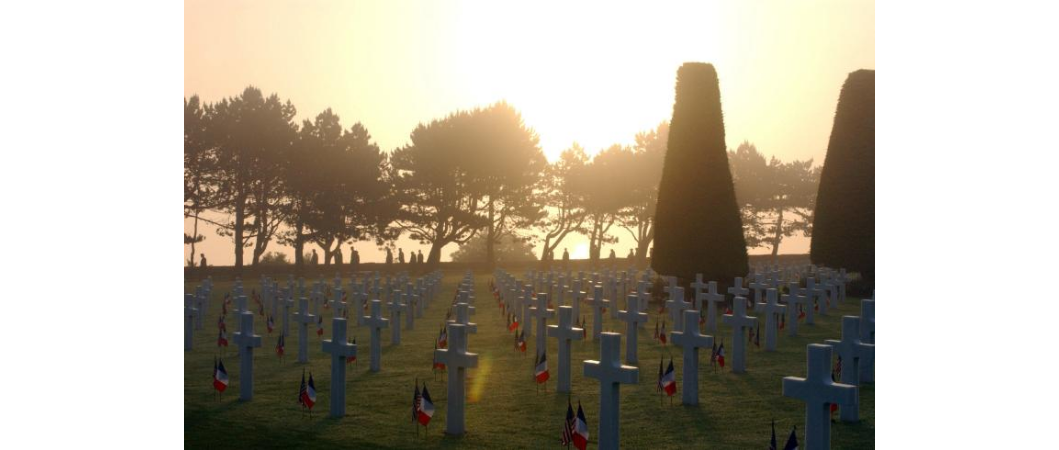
{"x": 631, "y": 255}
{"x": 354, "y": 258}
{"x": 338, "y": 256}
{"x": 314, "y": 259}
{"x": 400, "y": 256}
{"x": 389, "y": 257}
{"x": 202, "y": 260}
{"x": 566, "y": 257}
{"x": 613, "y": 257}
{"x": 420, "y": 257}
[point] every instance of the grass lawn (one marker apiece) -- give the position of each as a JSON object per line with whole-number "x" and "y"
{"x": 504, "y": 409}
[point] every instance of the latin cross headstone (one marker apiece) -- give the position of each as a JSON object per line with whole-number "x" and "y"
{"x": 247, "y": 342}
{"x": 676, "y": 306}
{"x": 611, "y": 374}
{"x": 285, "y": 300}
{"x": 596, "y": 302}
{"x": 541, "y": 313}
{"x": 793, "y": 299}
{"x": 867, "y": 334}
{"x": 772, "y": 309}
{"x": 463, "y": 317}
{"x": 396, "y": 307}
{"x": 690, "y": 340}
{"x": 190, "y": 312}
{"x": 339, "y": 349}
{"x": 853, "y": 353}
{"x": 564, "y": 333}
{"x": 457, "y": 361}
{"x": 758, "y": 285}
{"x": 304, "y": 320}
{"x": 712, "y": 298}
{"x": 632, "y": 318}
{"x": 818, "y": 392}
{"x": 409, "y": 301}
{"x": 739, "y": 322}
{"x": 811, "y": 291}
{"x": 697, "y": 287}
{"x": 376, "y": 323}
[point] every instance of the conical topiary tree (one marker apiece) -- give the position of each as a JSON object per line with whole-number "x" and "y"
{"x": 844, "y": 222}
{"x": 698, "y": 227}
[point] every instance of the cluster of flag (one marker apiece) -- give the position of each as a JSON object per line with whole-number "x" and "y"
{"x": 540, "y": 368}
{"x": 512, "y": 322}
{"x": 220, "y": 376}
{"x": 660, "y": 335}
{"x": 281, "y": 345}
{"x": 792, "y": 441}
{"x": 575, "y": 429}
{"x": 801, "y": 312}
{"x": 307, "y": 392}
{"x": 222, "y": 332}
{"x": 717, "y": 355}
{"x": 422, "y": 406}
{"x": 667, "y": 380}
{"x": 520, "y": 341}
{"x": 320, "y": 326}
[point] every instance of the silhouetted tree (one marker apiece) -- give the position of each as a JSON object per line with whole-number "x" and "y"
{"x": 564, "y": 204}
{"x": 844, "y": 222}
{"x": 602, "y": 189}
{"x": 776, "y": 199}
{"x": 253, "y": 135}
{"x": 637, "y": 217}
{"x": 344, "y": 195}
{"x": 508, "y": 249}
{"x": 435, "y": 186}
{"x": 697, "y": 223}
{"x": 197, "y": 168}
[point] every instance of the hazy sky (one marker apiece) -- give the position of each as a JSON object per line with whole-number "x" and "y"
{"x": 595, "y": 73}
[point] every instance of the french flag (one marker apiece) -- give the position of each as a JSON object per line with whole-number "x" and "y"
{"x": 280, "y": 345}
{"x": 514, "y": 324}
{"x": 220, "y": 377}
{"x": 720, "y": 355}
{"x": 581, "y": 429}
{"x": 426, "y": 407}
{"x": 541, "y": 371}
{"x": 320, "y": 326}
{"x": 270, "y": 323}
{"x": 308, "y": 394}
{"x": 222, "y": 339}
{"x": 669, "y": 380}
{"x": 662, "y": 335}
{"x": 353, "y": 358}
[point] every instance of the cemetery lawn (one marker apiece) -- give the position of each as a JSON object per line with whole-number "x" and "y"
{"x": 504, "y": 410}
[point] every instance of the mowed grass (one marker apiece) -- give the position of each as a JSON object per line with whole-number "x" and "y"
{"x": 504, "y": 408}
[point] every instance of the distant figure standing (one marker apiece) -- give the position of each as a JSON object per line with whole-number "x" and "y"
{"x": 631, "y": 255}
{"x": 420, "y": 257}
{"x": 354, "y": 258}
{"x": 314, "y": 259}
{"x": 338, "y": 256}
{"x": 400, "y": 256}
{"x": 613, "y": 257}
{"x": 389, "y": 257}
{"x": 566, "y": 257}
{"x": 202, "y": 260}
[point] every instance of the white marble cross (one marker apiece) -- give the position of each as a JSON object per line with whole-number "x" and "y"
{"x": 739, "y": 322}
{"x": 541, "y": 313}
{"x": 812, "y": 292}
{"x": 286, "y": 301}
{"x": 758, "y": 285}
{"x": 697, "y": 288}
{"x": 867, "y": 334}
{"x": 304, "y": 320}
{"x": 596, "y": 302}
{"x": 737, "y": 288}
{"x": 564, "y": 333}
{"x": 199, "y": 300}
{"x": 396, "y": 308}
{"x": 818, "y": 392}
{"x": 690, "y": 340}
{"x": 632, "y": 318}
{"x": 676, "y": 305}
{"x": 793, "y": 299}
{"x": 339, "y": 349}
{"x": 772, "y": 309}
{"x": 190, "y": 312}
{"x": 611, "y": 374}
{"x": 853, "y": 353}
{"x": 247, "y": 342}
{"x": 463, "y": 317}
{"x": 457, "y": 361}
{"x": 527, "y": 305}
{"x": 409, "y": 301}
{"x": 376, "y": 323}
{"x": 712, "y": 298}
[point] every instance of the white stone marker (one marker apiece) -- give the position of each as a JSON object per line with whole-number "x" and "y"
{"x": 818, "y": 392}
{"x": 737, "y": 288}
{"x": 541, "y": 313}
{"x": 339, "y": 349}
{"x": 812, "y": 291}
{"x": 286, "y": 302}
{"x": 463, "y": 317}
{"x": 564, "y": 332}
{"x": 739, "y": 322}
{"x": 457, "y": 361}
{"x": 396, "y": 307}
{"x": 527, "y": 300}
{"x": 376, "y": 323}
{"x": 304, "y": 320}
{"x": 690, "y": 340}
{"x": 867, "y": 334}
{"x": 758, "y": 285}
{"x": 597, "y": 304}
{"x": 772, "y": 309}
{"x": 793, "y": 299}
{"x": 190, "y": 312}
{"x": 611, "y": 374}
{"x": 676, "y": 306}
{"x": 697, "y": 288}
{"x": 409, "y": 302}
{"x": 712, "y": 298}
{"x": 247, "y": 341}
{"x": 853, "y": 353}
{"x": 632, "y": 318}
{"x": 199, "y": 300}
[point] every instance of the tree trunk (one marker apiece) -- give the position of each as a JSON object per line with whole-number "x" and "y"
{"x": 239, "y": 215}
{"x": 434, "y": 257}
{"x": 779, "y": 235}
{"x": 490, "y": 237}
{"x": 544, "y": 251}
{"x": 641, "y": 246}
{"x": 299, "y": 245}
{"x": 194, "y": 237}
